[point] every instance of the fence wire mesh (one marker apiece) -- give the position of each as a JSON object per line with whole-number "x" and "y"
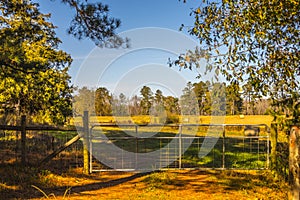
{"x": 228, "y": 146}
{"x": 39, "y": 144}
{"x": 173, "y": 147}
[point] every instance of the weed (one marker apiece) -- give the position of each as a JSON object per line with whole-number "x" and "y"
{"x": 67, "y": 192}
{"x": 160, "y": 179}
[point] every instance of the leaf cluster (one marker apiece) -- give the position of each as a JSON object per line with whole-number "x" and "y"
{"x": 92, "y": 21}
{"x": 28, "y": 42}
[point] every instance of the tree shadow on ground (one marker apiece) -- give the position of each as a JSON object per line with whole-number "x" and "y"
{"x": 16, "y": 182}
{"x": 209, "y": 181}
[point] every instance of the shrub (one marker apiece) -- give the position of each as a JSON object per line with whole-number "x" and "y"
{"x": 172, "y": 119}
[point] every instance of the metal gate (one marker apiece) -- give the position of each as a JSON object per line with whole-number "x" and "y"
{"x": 131, "y": 147}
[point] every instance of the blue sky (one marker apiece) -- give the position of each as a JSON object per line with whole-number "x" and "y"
{"x": 135, "y": 15}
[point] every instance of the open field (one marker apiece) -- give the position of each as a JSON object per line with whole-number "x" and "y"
{"x": 234, "y": 119}
{"x": 201, "y": 120}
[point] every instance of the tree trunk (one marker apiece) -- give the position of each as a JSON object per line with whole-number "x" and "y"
{"x": 274, "y": 139}
{"x": 294, "y": 162}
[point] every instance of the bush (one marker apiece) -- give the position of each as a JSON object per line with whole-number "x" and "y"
{"x": 172, "y": 119}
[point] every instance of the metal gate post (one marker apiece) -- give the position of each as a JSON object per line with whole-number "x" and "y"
{"x": 90, "y": 151}
{"x": 136, "y": 147}
{"x": 180, "y": 145}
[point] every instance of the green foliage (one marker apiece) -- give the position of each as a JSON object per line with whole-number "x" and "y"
{"x": 158, "y": 104}
{"x": 250, "y": 41}
{"x": 103, "y": 102}
{"x": 47, "y": 96}
{"x": 92, "y": 21}
{"x": 33, "y": 72}
{"x": 97, "y": 102}
{"x": 201, "y": 91}
{"x": 171, "y": 105}
{"x": 172, "y": 119}
{"x": 146, "y": 101}
{"x": 28, "y": 41}
{"x": 188, "y": 101}
{"x": 211, "y": 98}
{"x": 233, "y": 99}
{"x": 84, "y": 100}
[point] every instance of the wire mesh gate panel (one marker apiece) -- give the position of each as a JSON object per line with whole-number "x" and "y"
{"x": 156, "y": 147}
{"x": 39, "y": 144}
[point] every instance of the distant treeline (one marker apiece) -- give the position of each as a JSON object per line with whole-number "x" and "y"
{"x": 202, "y": 98}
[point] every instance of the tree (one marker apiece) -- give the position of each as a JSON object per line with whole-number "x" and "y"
{"x": 233, "y": 99}
{"x": 158, "y": 97}
{"x": 255, "y": 42}
{"x": 45, "y": 96}
{"x": 158, "y": 108}
{"x": 251, "y": 41}
{"x": 135, "y": 106}
{"x": 188, "y": 101}
{"x": 171, "y": 105}
{"x": 103, "y": 102}
{"x": 218, "y": 99}
{"x": 261, "y": 107}
{"x": 28, "y": 41}
{"x": 33, "y": 72}
{"x": 201, "y": 89}
{"x": 84, "y": 100}
{"x": 146, "y": 101}
{"x": 249, "y": 98}
{"x": 120, "y": 105}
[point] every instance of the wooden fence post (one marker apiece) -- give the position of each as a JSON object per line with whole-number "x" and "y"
{"x": 86, "y": 138}
{"x": 274, "y": 138}
{"x": 23, "y": 139}
{"x": 294, "y": 162}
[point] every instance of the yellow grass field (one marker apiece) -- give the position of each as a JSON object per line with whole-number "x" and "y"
{"x": 143, "y": 119}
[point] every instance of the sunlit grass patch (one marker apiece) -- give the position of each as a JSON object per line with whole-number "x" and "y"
{"x": 6, "y": 187}
{"x": 160, "y": 179}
